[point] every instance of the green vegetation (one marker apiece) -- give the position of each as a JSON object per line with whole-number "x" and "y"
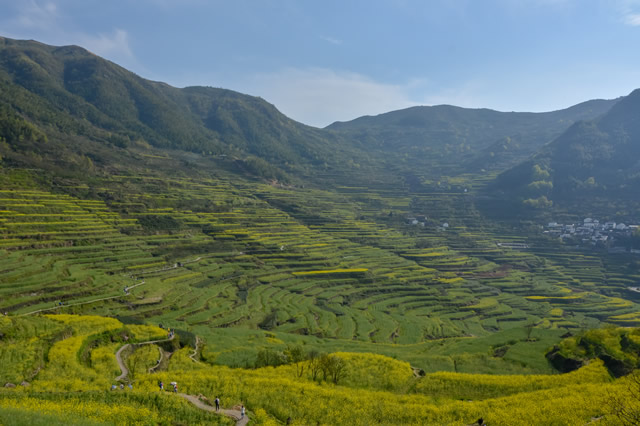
{"x": 366, "y": 262}
{"x": 616, "y": 347}
{"x": 592, "y": 165}
{"x": 336, "y": 388}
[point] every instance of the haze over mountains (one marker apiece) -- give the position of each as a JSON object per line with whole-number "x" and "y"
{"x": 91, "y": 108}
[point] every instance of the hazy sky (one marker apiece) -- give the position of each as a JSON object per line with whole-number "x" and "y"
{"x": 320, "y": 61}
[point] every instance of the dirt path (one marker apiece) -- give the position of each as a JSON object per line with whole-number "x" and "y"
{"x": 168, "y": 268}
{"x": 123, "y": 365}
{"x": 159, "y": 362}
{"x": 195, "y": 351}
{"x": 126, "y": 289}
{"x": 234, "y": 414}
{"x": 83, "y": 303}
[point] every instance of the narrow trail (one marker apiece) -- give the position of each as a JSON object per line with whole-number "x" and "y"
{"x": 126, "y": 290}
{"x": 82, "y": 303}
{"x": 195, "y": 351}
{"x": 234, "y": 414}
{"x": 122, "y": 364}
{"x": 159, "y": 363}
{"x": 168, "y": 268}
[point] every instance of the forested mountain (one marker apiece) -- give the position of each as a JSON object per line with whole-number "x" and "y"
{"x": 592, "y": 160}
{"x": 447, "y": 137}
{"x": 95, "y": 113}
{"x": 70, "y": 93}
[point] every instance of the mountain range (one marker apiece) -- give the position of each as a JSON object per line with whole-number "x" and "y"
{"x": 94, "y": 115}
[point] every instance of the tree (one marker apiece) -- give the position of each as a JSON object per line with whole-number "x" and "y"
{"x": 338, "y": 369}
{"x": 333, "y": 367}
{"x": 295, "y": 354}
{"x": 528, "y": 329}
{"x": 314, "y": 364}
{"x": 626, "y": 405}
{"x": 268, "y": 357}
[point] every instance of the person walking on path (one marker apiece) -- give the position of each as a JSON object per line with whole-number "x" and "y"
{"x": 217, "y": 401}
{"x": 242, "y": 412}
{"x": 161, "y": 385}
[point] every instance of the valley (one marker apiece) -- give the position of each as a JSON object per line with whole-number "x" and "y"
{"x": 403, "y": 251}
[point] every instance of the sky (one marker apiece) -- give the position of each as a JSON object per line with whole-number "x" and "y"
{"x": 335, "y": 60}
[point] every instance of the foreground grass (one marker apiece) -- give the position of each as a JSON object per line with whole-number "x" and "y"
{"x": 72, "y": 389}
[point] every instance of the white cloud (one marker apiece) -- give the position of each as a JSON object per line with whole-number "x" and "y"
{"x": 629, "y": 11}
{"x": 632, "y": 19}
{"x": 331, "y": 40}
{"x": 34, "y": 15}
{"x": 47, "y": 22}
{"x": 319, "y": 96}
{"x": 115, "y": 45}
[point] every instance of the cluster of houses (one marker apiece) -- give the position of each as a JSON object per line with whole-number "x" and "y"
{"x": 591, "y": 231}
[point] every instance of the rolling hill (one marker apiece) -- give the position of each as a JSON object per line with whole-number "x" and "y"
{"x": 90, "y": 108}
{"x": 447, "y": 139}
{"x": 592, "y": 163}
{"x": 85, "y": 103}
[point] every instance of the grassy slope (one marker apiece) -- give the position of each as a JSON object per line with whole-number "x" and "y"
{"x": 251, "y": 254}
{"x": 591, "y": 168}
{"x": 376, "y": 389}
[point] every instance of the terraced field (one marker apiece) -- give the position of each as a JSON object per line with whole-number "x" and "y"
{"x": 211, "y": 255}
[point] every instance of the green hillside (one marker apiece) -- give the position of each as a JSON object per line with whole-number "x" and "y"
{"x": 61, "y": 369}
{"x": 285, "y": 256}
{"x": 592, "y": 166}
{"x": 446, "y": 139}
{"x": 90, "y": 106}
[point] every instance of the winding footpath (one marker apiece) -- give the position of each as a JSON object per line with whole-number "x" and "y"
{"x": 195, "y": 351}
{"x": 121, "y": 363}
{"x": 234, "y": 414}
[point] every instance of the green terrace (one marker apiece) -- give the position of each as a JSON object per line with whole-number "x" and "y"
{"x": 214, "y": 254}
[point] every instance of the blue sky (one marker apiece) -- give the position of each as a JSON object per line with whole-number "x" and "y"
{"x": 323, "y": 61}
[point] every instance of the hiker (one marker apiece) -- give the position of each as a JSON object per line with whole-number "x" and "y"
{"x": 161, "y": 386}
{"x": 175, "y": 387}
{"x": 121, "y": 386}
{"x": 217, "y": 401}
{"x": 130, "y": 386}
{"x": 113, "y": 387}
{"x": 242, "y": 412}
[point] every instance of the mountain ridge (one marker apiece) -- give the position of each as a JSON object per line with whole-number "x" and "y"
{"x": 86, "y": 105}
{"x": 597, "y": 159}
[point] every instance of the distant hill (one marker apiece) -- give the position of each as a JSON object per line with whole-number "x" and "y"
{"x": 84, "y": 103}
{"x": 592, "y": 160}
{"x": 448, "y": 137}
{"x": 96, "y": 115}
